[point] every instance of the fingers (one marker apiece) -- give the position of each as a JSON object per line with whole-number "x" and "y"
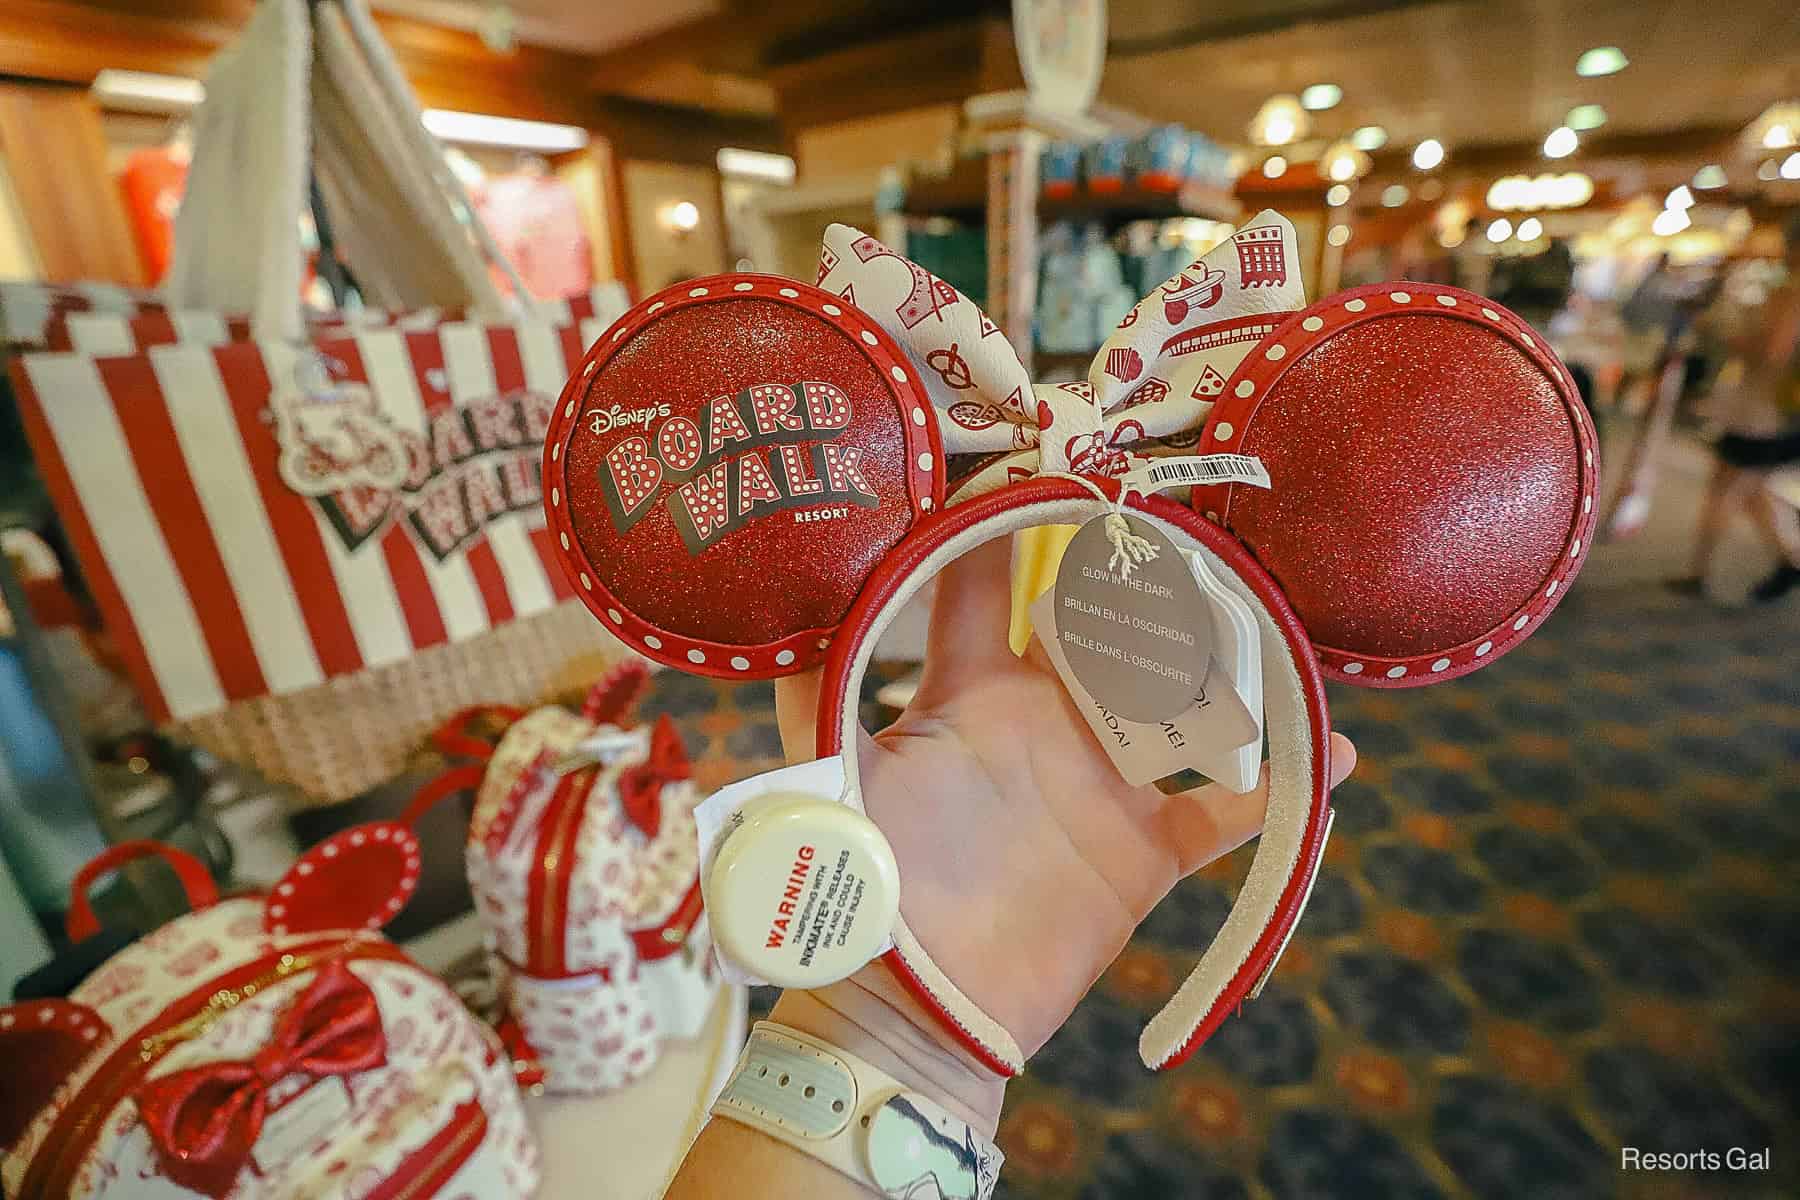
{"x": 797, "y": 714}
{"x": 970, "y": 615}
{"x": 1209, "y": 822}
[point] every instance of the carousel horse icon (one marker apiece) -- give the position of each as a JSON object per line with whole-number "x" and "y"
{"x": 332, "y": 434}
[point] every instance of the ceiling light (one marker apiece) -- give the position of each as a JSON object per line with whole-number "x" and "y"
{"x": 1776, "y": 137}
{"x": 1790, "y": 166}
{"x": 1601, "y": 60}
{"x": 1511, "y": 193}
{"x": 1369, "y": 137}
{"x": 1338, "y": 195}
{"x": 755, "y": 164}
{"x": 1279, "y": 121}
{"x": 1428, "y": 154}
{"x": 1680, "y": 198}
{"x": 1321, "y": 96}
{"x": 1530, "y": 229}
{"x": 1584, "y": 117}
{"x": 1769, "y": 171}
{"x": 683, "y": 216}
{"x": 143, "y": 91}
{"x": 1499, "y": 230}
{"x": 1669, "y": 222}
{"x": 1561, "y": 143}
{"x": 1712, "y": 175}
{"x": 1343, "y": 162}
{"x": 1394, "y": 195}
{"x": 1339, "y": 235}
{"x": 478, "y": 129}
{"x": 1274, "y": 167}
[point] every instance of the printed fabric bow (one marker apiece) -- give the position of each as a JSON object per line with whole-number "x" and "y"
{"x": 640, "y": 785}
{"x": 1148, "y": 390}
{"x": 204, "y": 1120}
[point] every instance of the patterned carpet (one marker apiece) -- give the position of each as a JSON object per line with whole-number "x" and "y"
{"x": 1557, "y": 918}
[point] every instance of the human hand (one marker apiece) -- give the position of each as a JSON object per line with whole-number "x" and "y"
{"x": 1025, "y": 860}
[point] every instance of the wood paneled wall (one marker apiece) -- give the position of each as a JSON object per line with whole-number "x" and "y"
{"x": 56, "y": 159}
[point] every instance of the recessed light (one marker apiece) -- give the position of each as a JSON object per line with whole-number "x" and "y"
{"x": 1394, "y": 195}
{"x": 1776, "y": 137}
{"x": 1321, "y": 96}
{"x": 1584, "y": 117}
{"x": 1601, "y": 60}
{"x": 1790, "y": 166}
{"x": 1369, "y": 137}
{"x": 1530, "y": 229}
{"x": 1274, "y": 167}
{"x": 1769, "y": 171}
{"x": 1561, "y": 143}
{"x": 1669, "y": 222}
{"x": 1680, "y": 198}
{"x": 1338, "y": 195}
{"x": 1428, "y": 154}
{"x": 1712, "y": 175}
{"x": 1499, "y": 230}
{"x": 1339, "y": 235}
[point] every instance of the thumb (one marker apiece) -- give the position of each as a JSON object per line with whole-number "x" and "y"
{"x": 797, "y": 714}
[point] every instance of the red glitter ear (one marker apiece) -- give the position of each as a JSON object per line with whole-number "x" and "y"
{"x": 1434, "y": 478}
{"x": 41, "y": 1043}
{"x": 359, "y": 878}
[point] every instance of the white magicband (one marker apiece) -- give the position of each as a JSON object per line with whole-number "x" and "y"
{"x": 831, "y": 1105}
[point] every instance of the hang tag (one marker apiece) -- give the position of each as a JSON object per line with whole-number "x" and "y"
{"x": 1190, "y": 470}
{"x": 1220, "y": 732}
{"x": 1136, "y": 634}
{"x": 801, "y": 888}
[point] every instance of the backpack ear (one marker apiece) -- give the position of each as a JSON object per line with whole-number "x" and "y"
{"x": 41, "y": 1042}
{"x": 358, "y": 878}
{"x": 609, "y": 700}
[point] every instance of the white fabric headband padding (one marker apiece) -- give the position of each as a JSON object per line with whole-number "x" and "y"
{"x": 1291, "y": 742}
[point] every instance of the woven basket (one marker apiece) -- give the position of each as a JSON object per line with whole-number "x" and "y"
{"x": 342, "y": 737}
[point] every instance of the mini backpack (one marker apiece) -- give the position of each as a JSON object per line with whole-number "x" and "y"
{"x": 262, "y": 1047}
{"x": 584, "y": 865}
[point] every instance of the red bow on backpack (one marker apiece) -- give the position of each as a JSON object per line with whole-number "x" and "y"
{"x": 204, "y": 1120}
{"x": 640, "y": 786}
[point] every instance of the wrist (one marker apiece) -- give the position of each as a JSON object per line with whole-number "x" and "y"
{"x": 871, "y": 1016}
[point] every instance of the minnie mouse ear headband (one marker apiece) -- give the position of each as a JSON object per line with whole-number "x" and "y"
{"x": 746, "y": 473}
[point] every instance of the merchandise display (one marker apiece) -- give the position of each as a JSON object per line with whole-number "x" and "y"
{"x": 582, "y": 861}
{"x": 266, "y": 1046}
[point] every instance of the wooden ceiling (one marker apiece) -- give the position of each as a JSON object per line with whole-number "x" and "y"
{"x": 1474, "y": 73}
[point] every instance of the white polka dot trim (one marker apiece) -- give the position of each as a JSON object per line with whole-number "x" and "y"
{"x": 925, "y": 503}
{"x": 1447, "y": 301}
{"x": 925, "y": 461}
{"x": 1313, "y": 324}
{"x": 1223, "y": 431}
{"x": 1441, "y": 664}
{"x": 1575, "y": 548}
{"x": 742, "y": 287}
{"x": 556, "y": 495}
{"x": 784, "y": 657}
{"x": 564, "y": 538}
{"x": 790, "y": 293}
{"x": 697, "y": 292}
{"x": 1275, "y": 353}
{"x": 587, "y": 582}
{"x": 654, "y": 307}
{"x": 614, "y": 616}
{"x": 1400, "y": 298}
{"x": 899, "y": 374}
{"x": 918, "y": 416}
{"x": 1524, "y": 620}
{"x": 869, "y": 339}
{"x": 1481, "y": 651}
{"x": 1490, "y": 314}
{"x": 1396, "y": 672}
{"x": 739, "y": 663}
{"x": 1356, "y": 305}
{"x": 1354, "y": 668}
{"x": 1551, "y": 590}
{"x": 569, "y": 409}
{"x": 832, "y": 310}
{"x": 652, "y": 641}
{"x": 696, "y": 656}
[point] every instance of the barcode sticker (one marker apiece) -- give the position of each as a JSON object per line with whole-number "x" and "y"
{"x": 1189, "y": 470}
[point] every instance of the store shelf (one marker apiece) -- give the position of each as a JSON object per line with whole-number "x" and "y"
{"x": 963, "y": 193}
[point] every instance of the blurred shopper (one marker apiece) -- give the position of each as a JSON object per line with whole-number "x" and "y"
{"x": 1537, "y": 287}
{"x": 1757, "y": 410}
